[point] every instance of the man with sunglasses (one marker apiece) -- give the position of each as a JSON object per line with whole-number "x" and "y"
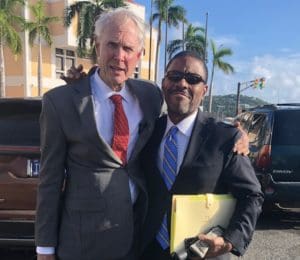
{"x": 191, "y": 153}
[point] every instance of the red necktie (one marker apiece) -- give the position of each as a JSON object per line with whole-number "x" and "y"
{"x": 121, "y": 129}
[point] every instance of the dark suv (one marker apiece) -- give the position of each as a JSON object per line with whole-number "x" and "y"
{"x": 274, "y": 133}
{"x": 19, "y": 168}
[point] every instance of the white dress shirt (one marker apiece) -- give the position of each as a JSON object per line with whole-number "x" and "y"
{"x": 185, "y": 128}
{"x": 104, "y": 117}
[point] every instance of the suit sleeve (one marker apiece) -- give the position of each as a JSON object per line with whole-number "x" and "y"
{"x": 52, "y": 174}
{"x": 243, "y": 184}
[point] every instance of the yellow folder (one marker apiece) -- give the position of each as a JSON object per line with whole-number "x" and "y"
{"x": 194, "y": 214}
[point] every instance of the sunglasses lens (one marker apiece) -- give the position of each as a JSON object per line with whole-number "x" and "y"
{"x": 193, "y": 79}
{"x": 175, "y": 77}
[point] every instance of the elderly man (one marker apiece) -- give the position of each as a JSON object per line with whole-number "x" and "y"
{"x": 191, "y": 153}
{"x": 91, "y": 196}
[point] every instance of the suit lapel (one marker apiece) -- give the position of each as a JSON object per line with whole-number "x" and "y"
{"x": 146, "y": 126}
{"x": 83, "y": 101}
{"x": 153, "y": 153}
{"x": 198, "y": 136}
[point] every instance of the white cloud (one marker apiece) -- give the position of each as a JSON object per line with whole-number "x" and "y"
{"x": 281, "y": 73}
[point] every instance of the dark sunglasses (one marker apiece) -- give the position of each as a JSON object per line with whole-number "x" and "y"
{"x": 190, "y": 78}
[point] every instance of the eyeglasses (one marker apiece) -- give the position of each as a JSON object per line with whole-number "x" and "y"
{"x": 190, "y": 78}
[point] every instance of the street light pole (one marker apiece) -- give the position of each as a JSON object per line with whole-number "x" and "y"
{"x": 183, "y": 36}
{"x": 249, "y": 84}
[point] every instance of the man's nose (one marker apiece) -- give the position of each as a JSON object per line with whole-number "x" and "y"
{"x": 119, "y": 53}
{"x": 183, "y": 83}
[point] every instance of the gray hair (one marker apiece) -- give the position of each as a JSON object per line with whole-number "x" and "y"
{"x": 120, "y": 15}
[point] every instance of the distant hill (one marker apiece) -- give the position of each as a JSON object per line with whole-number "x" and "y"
{"x": 225, "y": 106}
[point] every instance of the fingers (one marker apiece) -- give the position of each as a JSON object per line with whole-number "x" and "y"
{"x": 237, "y": 124}
{"x": 242, "y": 144}
{"x": 73, "y": 74}
{"x": 217, "y": 245}
{"x": 241, "y": 147}
{"x": 80, "y": 67}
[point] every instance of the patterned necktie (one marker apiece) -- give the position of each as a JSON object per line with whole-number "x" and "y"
{"x": 169, "y": 173}
{"x": 121, "y": 129}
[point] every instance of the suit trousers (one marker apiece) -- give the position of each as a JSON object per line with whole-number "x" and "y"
{"x": 154, "y": 251}
{"x": 134, "y": 249}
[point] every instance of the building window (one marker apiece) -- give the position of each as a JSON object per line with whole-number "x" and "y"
{"x": 64, "y": 59}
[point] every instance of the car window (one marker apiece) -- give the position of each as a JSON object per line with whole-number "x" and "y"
{"x": 19, "y": 125}
{"x": 286, "y": 128}
{"x": 256, "y": 128}
{"x": 19, "y": 130}
{"x": 245, "y": 120}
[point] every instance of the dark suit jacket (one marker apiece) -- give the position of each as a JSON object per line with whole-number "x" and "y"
{"x": 93, "y": 217}
{"x": 209, "y": 166}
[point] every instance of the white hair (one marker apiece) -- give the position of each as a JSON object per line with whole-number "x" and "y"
{"x": 120, "y": 15}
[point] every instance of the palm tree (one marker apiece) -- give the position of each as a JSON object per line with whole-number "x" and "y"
{"x": 39, "y": 29}
{"x": 8, "y": 34}
{"x": 88, "y": 12}
{"x": 218, "y": 54}
{"x": 193, "y": 40}
{"x": 172, "y": 15}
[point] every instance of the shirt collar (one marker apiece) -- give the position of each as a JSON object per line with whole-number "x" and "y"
{"x": 102, "y": 91}
{"x": 185, "y": 126}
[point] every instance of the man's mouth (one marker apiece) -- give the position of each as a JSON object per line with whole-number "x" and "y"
{"x": 180, "y": 93}
{"x": 117, "y": 69}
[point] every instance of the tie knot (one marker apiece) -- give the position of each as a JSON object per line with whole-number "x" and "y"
{"x": 116, "y": 99}
{"x": 173, "y": 130}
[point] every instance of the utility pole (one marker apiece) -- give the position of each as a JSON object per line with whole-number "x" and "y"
{"x": 252, "y": 83}
{"x": 238, "y": 98}
{"x": 205, "y": 39}
{"x": 183, "y": 36}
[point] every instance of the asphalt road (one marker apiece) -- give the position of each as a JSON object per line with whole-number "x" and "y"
{"x": 277, "y": 237}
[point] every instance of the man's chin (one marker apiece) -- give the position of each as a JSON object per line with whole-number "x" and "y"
{"x": 118, "y": 81}
{"x": 178, "y": 110}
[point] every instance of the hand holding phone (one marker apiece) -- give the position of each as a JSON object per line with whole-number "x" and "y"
{"x": 199, "y": 247}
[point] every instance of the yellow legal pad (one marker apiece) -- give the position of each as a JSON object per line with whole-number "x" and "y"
{"x": 194, "y": 214}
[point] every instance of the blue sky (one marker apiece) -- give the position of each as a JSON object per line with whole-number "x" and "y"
{"x": 264, "y": 36}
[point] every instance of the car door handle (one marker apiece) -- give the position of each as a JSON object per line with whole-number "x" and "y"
{"x": 2, "y": 200}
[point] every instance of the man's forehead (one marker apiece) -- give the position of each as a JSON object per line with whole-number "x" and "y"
{"x": 186, "y": 63}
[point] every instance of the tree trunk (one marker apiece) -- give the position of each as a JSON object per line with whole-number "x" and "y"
{"x": 210, "y": 88}
{"x": 166, "y": 38}
{"x": 40, "y": 85}
{"x": 2, "y": 71}
{"x": 157, "y": 49}
{"x": 150, "y": 43}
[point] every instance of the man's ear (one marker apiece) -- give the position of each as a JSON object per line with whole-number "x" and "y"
{"x": 139, "y": 55}
{"x": 205, "y": 88}
{"x": 163, "y": 82}
{"x": 97, "y": 47}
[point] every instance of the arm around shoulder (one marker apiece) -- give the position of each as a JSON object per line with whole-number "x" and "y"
{"x": 245, "y": 187}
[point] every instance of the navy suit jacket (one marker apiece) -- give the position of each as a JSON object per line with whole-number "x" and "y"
{"x": 209, "y": 166}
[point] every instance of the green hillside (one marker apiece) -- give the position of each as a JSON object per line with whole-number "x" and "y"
{"x": 225, "y": 106}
